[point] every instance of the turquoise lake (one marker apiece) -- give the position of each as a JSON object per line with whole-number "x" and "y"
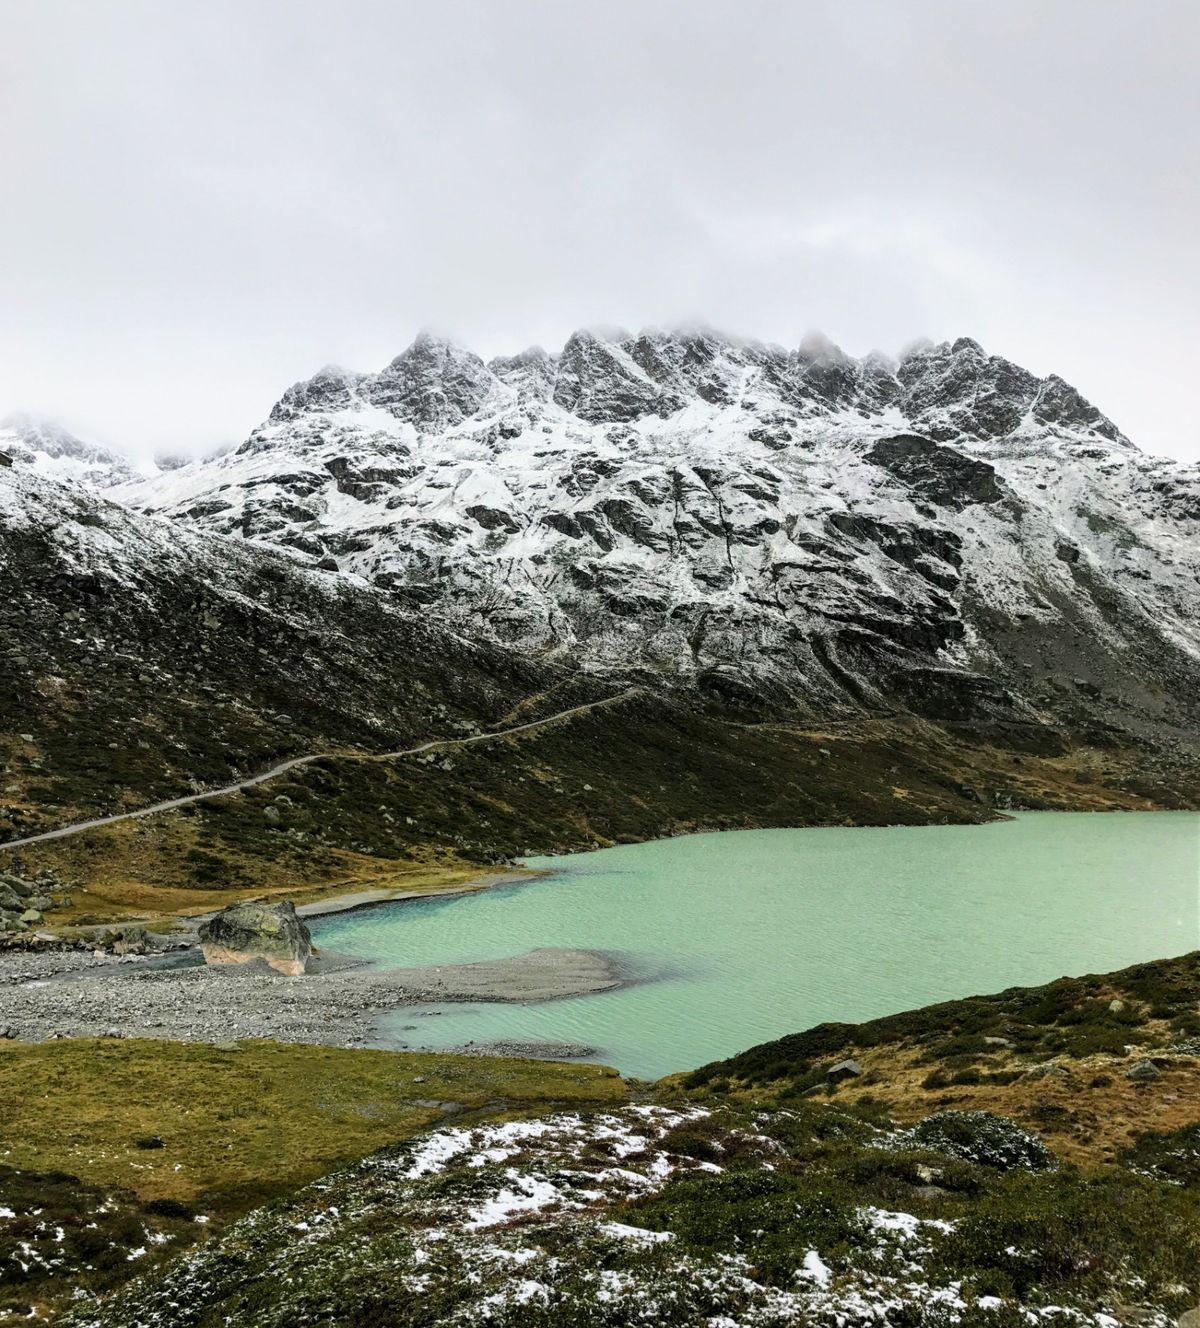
{"x": 740, "y": 937}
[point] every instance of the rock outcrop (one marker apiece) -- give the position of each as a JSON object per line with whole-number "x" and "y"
{"x": 244, "y": 932}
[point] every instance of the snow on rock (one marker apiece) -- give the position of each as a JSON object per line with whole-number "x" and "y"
{"x": 948, "y": 532}
{"x": 46, "y": 447}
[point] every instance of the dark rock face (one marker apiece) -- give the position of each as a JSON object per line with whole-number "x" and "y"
{"x": 601, "y": 383}
{"x": 242, "y": 933}
{"x": 941, "y": 474}
{"x": 959, "y": 389}
{"x": 434, "y": 384}
{"x": 1058, "y": 403}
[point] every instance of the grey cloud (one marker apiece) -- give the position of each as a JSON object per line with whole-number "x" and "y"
{"x": 207, "y": 200}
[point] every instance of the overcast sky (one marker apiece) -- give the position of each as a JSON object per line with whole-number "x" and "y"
{"x": 205, "y": 200}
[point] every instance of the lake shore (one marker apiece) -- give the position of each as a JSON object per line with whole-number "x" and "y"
{"x": 51, "y": 994}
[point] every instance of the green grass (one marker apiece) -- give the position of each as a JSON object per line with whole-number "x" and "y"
{"x": 141, "y": 1137}
{"x": 240, "y": 1126}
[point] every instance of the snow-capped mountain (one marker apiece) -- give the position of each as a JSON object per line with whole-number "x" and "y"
{"x": 947, "y": 533}
{"x": 44, "y": 445}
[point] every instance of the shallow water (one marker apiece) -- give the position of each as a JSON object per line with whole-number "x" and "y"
{"x": 749, "y": 935}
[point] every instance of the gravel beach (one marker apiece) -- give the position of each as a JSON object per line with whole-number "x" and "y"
{"x": 74, "y": 994}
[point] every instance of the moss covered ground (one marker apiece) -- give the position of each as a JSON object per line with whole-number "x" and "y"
{"x": 174, "y": 1138}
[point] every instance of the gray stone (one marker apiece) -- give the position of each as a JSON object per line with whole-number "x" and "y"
{"x": 843, "y": 1070}
{"x": 131, "y": 938}
{"x": 242, "y": 933}
{"x": 1142, "y": 1071}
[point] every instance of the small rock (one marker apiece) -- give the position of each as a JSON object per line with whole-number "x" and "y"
{"x": 999, "y": 1042}
{"x": 1190, "y": 1318}
{"x": 843, "y": 1070}
{"x": 1116, "y": 1007}
{"x": 1142, "y": 1071}
{"x": 1049, "y": 1070}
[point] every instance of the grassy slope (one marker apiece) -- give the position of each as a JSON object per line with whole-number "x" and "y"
{"x": 1014, "y": 1219}
{"x": 229, "y": 1128}
{"x": 635, "y": 771}
{"x": 994, "y": 1052}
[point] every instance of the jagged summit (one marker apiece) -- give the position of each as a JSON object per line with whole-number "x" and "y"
{"x": 609, "y": 376}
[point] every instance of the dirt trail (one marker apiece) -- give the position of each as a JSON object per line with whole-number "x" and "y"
{"x": 295, "y": 762}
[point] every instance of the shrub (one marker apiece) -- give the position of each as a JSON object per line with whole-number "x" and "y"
{"x": 981, "y": 1137}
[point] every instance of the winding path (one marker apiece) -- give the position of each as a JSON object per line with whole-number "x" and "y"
{"x": 296, "y": 761}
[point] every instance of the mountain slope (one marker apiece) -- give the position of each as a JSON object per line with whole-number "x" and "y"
{"x": 143, "y": 660}
{"x": 48, "y": 448}
{"x": 797, "y": 529}
{"x": 833, "y": 616}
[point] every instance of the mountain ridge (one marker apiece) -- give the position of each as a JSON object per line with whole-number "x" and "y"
{"x": 787, "y": 527}
{"x": 998, "y": 565}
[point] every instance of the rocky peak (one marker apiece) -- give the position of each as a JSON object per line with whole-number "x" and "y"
{"x": 530, "y": 373}
{"x": 434, "y": 384}
{"x": 825, "y": 372}
{"x": 1058, "y": 403}
{"x": 954, "y": 389}
{"x": 689, "y": 364}
{"x": 951, "y": 391}
{"x": 330, "y": 388}
{"x": 601, "y": 382}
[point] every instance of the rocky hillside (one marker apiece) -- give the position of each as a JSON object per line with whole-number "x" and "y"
{"x": 142, "y": 659}
{"x": 1047, "y": 1173}
{"x": 946, "y": 534}
{"x": 146, "y": 659}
